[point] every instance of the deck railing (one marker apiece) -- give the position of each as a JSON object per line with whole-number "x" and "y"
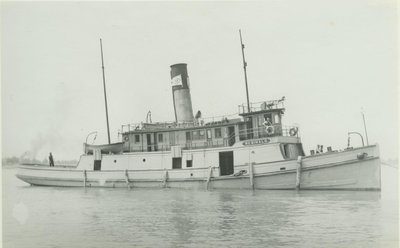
{"x": 263, "y": 132}
{"x": 150, "y": 148}
{"x": 185, "y": 146}
{"x": 200, "y": 122}
{"x": 264, "y": 105}
{"x": 245, "y": 134}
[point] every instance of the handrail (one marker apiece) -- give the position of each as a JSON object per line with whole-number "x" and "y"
{"x": 185, "y": 146}
{"x": 348, "y": 139}
{"x": 245, "y": 134}
{"x": 263, "y": 105}
{"x": 260, "y": 132}
{"x": 200, "y": 122}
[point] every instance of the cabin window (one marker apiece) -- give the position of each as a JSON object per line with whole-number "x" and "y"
{"x": 137, "y": 138}
{"x": 276, "y": 119}
{"x": 217, "y": 133}
{"x": 176, "y": 163}
{"x": 260, "y": 120}
{"x": 202, "y": 134}
{"x": 160, "y": 137}
{"x": 189, "y": 163}
{"x": 242, "y": 131}
{"x": 208, "y": 133}
{"x": 268, "y": 116}
{"x": 195, "y": 135}
{"x": 188, "y": 137}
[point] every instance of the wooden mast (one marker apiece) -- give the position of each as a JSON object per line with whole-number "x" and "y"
{"x": 105, "y": 94}
{"x": 245, "y": 72}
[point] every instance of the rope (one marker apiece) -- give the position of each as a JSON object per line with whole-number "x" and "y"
{"x": 389, "y": 165}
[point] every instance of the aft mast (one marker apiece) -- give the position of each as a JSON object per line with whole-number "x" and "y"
{"x": 105, "y": 94}
{"x": 245, "y": 72}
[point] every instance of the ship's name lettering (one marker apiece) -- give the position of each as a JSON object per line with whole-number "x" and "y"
{"x": 255, "y": 142}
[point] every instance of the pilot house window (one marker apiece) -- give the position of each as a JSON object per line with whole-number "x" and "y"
{"x": 208, "y": 133}
{"x": 217, "y": 133}
{"x": 242, "y": 131}
{"x": 160, "y": 137}
{"x": 268, "y": 117}
{"x": 137, "y": 138}
{"x": 188, "y": 137}
{"x": 277, "y": 118}
{"x": 202, "y": 134}
{"x": 195, "y": 135}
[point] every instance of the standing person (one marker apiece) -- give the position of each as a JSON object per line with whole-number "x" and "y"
{"x": 267, "y": 122}
{"x": 51, "y": 160}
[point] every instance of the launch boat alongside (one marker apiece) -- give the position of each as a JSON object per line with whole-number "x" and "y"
{"x": 254, "y": 150}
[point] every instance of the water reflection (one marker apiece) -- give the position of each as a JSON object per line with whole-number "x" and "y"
{"x": 226, "y": 212}
{"x": 181, "y": 217}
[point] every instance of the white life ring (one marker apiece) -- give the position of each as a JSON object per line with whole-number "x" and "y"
{"x": 293, "y": 131}
{"x": 270, "y": 130}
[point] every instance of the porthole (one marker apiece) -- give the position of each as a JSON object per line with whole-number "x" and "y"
{"x": 115, "y": 161}
{"x": 144, "y": 160}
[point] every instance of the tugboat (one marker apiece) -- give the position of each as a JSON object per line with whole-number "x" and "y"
{"x": 254, "y": 150}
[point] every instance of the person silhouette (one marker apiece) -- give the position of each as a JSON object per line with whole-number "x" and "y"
{"x": 268, "y": 122}
{"x": 51, "y": 160}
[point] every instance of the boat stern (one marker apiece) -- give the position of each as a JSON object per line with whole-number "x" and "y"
{"x": 351, "y": 169}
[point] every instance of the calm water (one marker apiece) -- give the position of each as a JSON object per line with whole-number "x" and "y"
{"x": 77, "y": 217}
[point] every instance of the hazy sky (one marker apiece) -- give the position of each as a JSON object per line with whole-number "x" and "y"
{"x": 328, "y": 58}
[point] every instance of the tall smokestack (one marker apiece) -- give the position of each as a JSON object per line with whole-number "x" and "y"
{"x": 181, "y": 93}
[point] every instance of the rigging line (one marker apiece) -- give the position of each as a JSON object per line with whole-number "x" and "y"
{"x": 389, "y": 165}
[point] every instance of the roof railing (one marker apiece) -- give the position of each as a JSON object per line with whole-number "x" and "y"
{"x": 264, "y": 105}
{"x": 206, "y": 121}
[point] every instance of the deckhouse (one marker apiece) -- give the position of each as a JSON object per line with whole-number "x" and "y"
{"x": 194, "y": 141}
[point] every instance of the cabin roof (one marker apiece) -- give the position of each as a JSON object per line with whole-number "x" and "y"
{"x": 274, "y": 106}
{"x": 280, "y": 110}
{"x": 160, "y": 127}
